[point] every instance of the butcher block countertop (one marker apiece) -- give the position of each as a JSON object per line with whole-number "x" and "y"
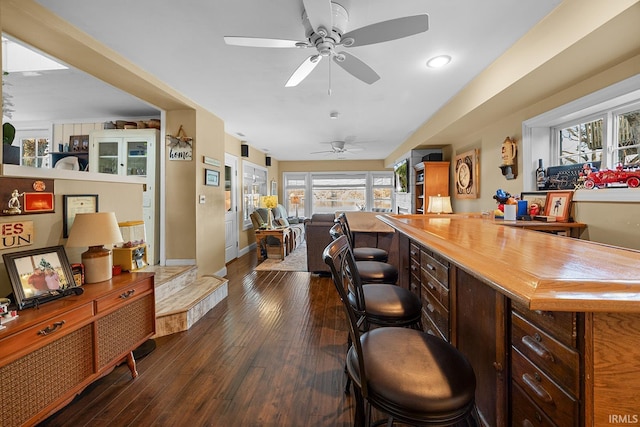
{"x": 541, "y": 270}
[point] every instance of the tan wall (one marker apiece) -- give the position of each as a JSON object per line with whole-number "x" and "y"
{"x": 123, "y": 199}
{"x": 209, "y": 216}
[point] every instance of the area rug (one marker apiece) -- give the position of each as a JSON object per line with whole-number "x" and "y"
{"x": 296, "y": 261}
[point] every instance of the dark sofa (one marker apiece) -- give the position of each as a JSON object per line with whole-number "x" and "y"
{"x": 317, "y": 235}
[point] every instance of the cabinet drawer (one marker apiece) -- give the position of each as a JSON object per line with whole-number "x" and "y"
{"x": 555, "y": 402}
{"x": 525, "y": 413}
{"x": 44, "y": 332}
{"x": 436, "y": 312}
{"x": 559, "y": 361}
{"x": 435, "y": 268}
{"x": 124, "y": 294}
{"x": 429, "y": 327}
{"x": 414, "y": 251}
{"x": 559, "y": 324}
{"x": 437, "y": 290}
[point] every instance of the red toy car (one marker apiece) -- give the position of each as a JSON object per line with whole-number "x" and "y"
{"x": 620, "y": 175}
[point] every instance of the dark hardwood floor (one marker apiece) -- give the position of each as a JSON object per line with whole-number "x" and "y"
{"x": 270, "y": 354}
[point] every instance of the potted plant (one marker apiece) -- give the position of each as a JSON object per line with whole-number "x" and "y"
{"x": 10, "y": 154}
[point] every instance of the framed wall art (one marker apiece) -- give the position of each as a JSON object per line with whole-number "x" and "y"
{"x": 39, "y": 275}
{"x": 75, "y": 204}
{"x": 211, "y": 177}
{"x": 558, "y": 204}
{"x": 538, "y": 198}
{"x": 466, "y": 175}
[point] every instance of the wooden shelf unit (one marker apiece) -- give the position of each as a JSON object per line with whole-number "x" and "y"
{"x": 431, "y": 179}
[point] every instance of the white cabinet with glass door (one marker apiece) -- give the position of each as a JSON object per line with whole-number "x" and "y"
{"x": 132, "y": 153}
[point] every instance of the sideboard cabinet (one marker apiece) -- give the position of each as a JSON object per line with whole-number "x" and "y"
{"x": 51, "y": 353}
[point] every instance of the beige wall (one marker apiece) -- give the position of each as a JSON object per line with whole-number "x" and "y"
{"x": 123, "y": 199}
{"x": 538, "y": 74}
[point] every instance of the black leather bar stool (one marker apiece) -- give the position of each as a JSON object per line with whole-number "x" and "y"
{"x": 413, "y": 377}
{"x": 362, "y": 253}
{"x": 370, "y": 271}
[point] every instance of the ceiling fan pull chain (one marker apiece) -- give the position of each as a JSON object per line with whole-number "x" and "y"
{"x": 329, "y": 91}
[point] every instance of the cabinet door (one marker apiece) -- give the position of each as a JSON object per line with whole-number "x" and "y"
{"x": 481, "y": 335}
{"x": 106, "y": 156}
{"x": 136, "y": 151}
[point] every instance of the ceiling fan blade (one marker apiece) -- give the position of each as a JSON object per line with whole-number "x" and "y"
{"x": 262, "y": 42}
{"x": 303, "y": 70}
{"x": 319, "y": 13}
{"x": 356, "y": 67}
{"x": 384, "y": 31}
{"x": 321, "y": 152}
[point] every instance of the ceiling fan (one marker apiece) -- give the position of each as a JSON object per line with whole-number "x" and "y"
{"x": 325, "y": 23}
{"x": 338, "y": 147}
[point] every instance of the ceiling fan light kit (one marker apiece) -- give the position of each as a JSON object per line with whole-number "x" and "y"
{"x": 325, "y": 23}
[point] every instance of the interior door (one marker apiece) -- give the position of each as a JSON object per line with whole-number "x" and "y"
{"x": 231, "y": 207}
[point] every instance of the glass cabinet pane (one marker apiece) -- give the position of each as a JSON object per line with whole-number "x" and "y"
{"x": 137, "y": 158}
{"x": 108, "y": 157}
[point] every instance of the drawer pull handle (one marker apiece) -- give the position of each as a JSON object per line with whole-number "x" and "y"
{"x": 413, "y": 253}
{"x": 534, "y": 345}
{"x": 413, "y": 268}
{"x": 534, "y": 385}
{"x": 431, "y": 267}
{"x": 51, "y": 329}
{"x": 544, "y": 313}
{"x": 431, "y": 286}
{"x": 430, "y": 308}
{"x": 527, "y": 423}
{"x": 127, "y": 294}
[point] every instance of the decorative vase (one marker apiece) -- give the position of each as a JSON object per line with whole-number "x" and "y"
{"x": 269, "y": 219}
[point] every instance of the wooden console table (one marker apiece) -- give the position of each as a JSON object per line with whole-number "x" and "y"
{"x": 285, "y": 239}
{"x": 51, "y": 353}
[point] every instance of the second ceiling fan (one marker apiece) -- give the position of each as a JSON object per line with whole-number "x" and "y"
{"x": 325, "y": 23}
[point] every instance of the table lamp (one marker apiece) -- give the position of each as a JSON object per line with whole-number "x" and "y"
{"x": 295, "y": 200}
{"x": 269, "y": 202}
{"x": 439, "y": 204}
{"x": 95, "y": 230}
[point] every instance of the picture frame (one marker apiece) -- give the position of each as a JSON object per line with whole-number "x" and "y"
{"x": 211, "y": 177}
{"x": 39, "y": 275}
{"x": 558, "y": 205}
{"x": 74, "y": 204}
{"x": 537, "y": 197}
{"x": 79, "y": 143}
{"x": 467, "y": 174}
{"x": 274, "y": 188}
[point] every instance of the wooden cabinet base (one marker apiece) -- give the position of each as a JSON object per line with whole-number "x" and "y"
{"x": 43, "y": 372}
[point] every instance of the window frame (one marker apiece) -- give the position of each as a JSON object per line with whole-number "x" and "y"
{"x": 247, "y": 167}
{"x": 540, "y": 141}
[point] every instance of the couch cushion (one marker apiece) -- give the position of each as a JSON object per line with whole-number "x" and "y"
{"x": 323, "y": 217}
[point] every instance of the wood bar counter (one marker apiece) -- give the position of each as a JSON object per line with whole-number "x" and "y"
{"x": 550, "y": 324}
{"x": 51, "y": 353}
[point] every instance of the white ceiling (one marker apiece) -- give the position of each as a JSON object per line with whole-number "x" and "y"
{"x": 181, "y": 42}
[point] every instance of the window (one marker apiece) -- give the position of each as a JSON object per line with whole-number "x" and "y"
{"x": 328, "y": 192}
{"x": 601, "y": 127}
{"x": 254, "y": 185}
{"x": 35, "y": 146}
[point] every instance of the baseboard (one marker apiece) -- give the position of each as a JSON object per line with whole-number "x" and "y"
{"x": 222, "y": 272}
{"x": 246, "y": 250}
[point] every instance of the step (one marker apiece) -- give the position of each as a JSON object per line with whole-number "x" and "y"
{"x": 179, "y": 311}
{"x": 170, "y": 280}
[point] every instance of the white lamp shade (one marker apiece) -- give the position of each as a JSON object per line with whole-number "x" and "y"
{"x": 439, "y": 204}
{"x": 94, "y": 229}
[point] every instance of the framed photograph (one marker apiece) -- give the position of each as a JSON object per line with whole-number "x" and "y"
{"x": 467, "y": 177}
{"x": 558, "y": 204}
{"x": 79, "y": 143}
{"x": 75, "y": 204}
{"x": 211, "y": 177}
{"x": 39, "y": 275}
{"x": 535, "y": 197}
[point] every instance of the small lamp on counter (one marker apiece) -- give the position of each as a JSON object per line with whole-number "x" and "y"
{"x": 269, "y": 202}
{"x": 95, "y": 230}
{"x": 439, "y": 204}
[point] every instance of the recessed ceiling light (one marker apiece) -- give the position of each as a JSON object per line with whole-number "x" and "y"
{"x": 333, "y": 115}
{"x": 438, "y": 61}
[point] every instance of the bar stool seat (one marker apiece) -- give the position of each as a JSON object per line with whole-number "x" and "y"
{"x": 377, "y": 272}
{"x": 370, "y": 254}
{"x": 390, "y": 305}
{"x": 422, "y": 380}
